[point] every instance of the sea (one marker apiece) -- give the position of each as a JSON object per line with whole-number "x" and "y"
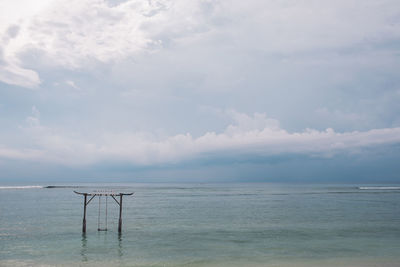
{"x": 174, "y": 224}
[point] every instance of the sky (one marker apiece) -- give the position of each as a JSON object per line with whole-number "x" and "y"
{"x": 199, "y": 91}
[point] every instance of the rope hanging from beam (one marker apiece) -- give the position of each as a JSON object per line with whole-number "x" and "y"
{"x": 99, "y": 228}
{"x": 98, "y": 217}
{"x": 106, "y": 211}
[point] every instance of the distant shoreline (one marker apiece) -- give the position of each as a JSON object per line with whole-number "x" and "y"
{"x": 63, "y": 186}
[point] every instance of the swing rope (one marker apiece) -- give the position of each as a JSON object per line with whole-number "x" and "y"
{"x": 106, "y": 211}
{"x": 99, "y": 216}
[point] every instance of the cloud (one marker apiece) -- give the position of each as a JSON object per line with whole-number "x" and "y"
{"x": 248, "y": 136}
{"x": 72, "y": 84}
{"x": 74, "y": 34}
{"x": 21, "y": 154}
{"x": 160, "y": 81}
{"x": 10, "y": 70}
{"x": 15, "y": 75}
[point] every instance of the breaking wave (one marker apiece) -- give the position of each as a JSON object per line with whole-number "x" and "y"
{"x": 21, "y": 187}
{"x": 379, "y": 188}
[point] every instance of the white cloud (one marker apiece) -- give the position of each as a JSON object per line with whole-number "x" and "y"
{"x": 71, "y": 34}
{"x": 15, "y": 75}
{"x": 72, "y": 84}
{"x": 21, "y": 154}
{"x": 15, "y": 15}
{"x": 254, "y": 135}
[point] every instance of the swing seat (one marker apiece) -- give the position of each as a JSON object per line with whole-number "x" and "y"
{"x": 101, "y": 229}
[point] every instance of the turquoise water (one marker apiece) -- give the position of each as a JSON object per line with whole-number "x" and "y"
{"x": 204, "y": 225}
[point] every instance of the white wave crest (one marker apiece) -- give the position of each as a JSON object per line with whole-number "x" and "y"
{"x": 21, "y": 187}
{"x": 379, "y": 188}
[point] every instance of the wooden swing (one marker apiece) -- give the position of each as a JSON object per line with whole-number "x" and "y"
{"x": 100, "y": 194}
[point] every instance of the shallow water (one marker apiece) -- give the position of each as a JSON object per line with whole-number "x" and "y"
{"x": 204, "y": 225}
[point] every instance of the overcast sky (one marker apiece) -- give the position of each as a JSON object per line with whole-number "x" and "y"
{"x": 199, "y": 90}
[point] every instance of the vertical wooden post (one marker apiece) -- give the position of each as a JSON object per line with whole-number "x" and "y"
{"x": 120, "y": 214}
{"x": 84, "y": 215}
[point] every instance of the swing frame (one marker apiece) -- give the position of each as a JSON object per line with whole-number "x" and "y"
{"x": 100, "y": 194}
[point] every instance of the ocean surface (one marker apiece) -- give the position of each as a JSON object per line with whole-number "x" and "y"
{"x": 257, "y": 224}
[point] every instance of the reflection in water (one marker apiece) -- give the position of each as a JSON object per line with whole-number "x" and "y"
{"x": 84, "y": 247}
{"x": 120, "y": 251}
{"x": 105, "y": 243}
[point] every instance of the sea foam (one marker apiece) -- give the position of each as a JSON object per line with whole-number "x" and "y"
{"x": 21, "y": 187}
{"x": 379, "y": 188}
